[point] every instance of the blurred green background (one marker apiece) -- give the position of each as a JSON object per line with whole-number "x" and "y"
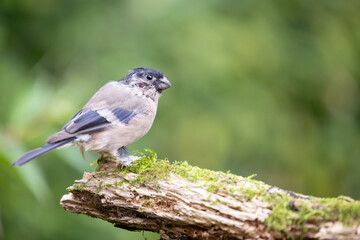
{"x": 265, "y": 87}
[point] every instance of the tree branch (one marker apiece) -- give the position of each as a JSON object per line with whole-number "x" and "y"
{"x": 184, "y": 202}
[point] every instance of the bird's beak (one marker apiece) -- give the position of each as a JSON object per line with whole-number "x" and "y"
{"x": 163, "y": 83}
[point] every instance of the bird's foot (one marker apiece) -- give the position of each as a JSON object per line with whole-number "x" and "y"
{"x": 127, "y": 160}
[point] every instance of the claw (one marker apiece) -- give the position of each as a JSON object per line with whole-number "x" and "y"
{"x": 127, "y": 161}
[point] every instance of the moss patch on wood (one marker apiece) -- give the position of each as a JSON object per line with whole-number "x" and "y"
{"x": 287, "y": 209}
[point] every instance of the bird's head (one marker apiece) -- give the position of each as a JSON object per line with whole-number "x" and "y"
{"x": 147, "y": 78}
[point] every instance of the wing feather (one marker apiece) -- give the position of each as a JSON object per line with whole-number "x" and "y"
{"x": 100, "y": 111}
{"x": 86, "y": 120}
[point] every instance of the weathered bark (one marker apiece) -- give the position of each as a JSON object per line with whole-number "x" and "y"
{"x": 180, "y": 207}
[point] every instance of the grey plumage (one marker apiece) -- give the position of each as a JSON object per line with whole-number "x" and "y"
{"x": 123, "y": 116}
{"x": 118, "y": 114}
{"x": 85, "y": 121}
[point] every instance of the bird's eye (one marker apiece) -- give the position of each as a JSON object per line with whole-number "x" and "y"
{"x": 149, "y": 77}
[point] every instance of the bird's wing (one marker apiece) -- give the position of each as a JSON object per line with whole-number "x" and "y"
{"x": 87, "y": 122}
{"x": 113, "y": 103}
{"x": 83, "y": 122}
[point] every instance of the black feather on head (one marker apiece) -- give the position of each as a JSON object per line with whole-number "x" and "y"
{"x": 146, "y": 71}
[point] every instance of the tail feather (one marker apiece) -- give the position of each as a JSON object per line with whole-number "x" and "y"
{"x": 40, "y": 151}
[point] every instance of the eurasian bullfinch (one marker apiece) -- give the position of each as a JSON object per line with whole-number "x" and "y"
{"x": 117, "y": 115}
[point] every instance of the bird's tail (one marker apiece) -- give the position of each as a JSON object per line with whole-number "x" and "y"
{"x": 40, "y": 151}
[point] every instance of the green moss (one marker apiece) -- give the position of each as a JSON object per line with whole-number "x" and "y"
{"x": 249, "y": 193}
{"x": 99, "y": 162}
{"x": 341, "y": 209}
{"x": 286, "y": 210}
{"x": 150, "y": 170}
{"x": 107, "y": 185}
{"x": 218, "y": 202}
{"x": 212, "y": 187}
{"x": 99, "y": 187}
{"x": 147, "y": 204}
{"x": 281, "y": 216}
{"x": 79, "y": 187}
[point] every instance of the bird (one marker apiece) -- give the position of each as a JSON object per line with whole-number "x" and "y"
{"x": 118, "y": 114}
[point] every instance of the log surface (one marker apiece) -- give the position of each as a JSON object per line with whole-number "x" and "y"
{"x": 179, "y": 208}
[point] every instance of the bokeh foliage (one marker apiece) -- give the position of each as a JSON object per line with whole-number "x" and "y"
{"x": 266, "y": 87}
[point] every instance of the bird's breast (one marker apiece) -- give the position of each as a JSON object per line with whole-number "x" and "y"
{"x": 120, "y": 134}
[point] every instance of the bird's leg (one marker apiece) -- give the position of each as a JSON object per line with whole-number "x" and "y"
{"x": 100, "y": 158}
{"x": 124, "y": 158}
{"x": 123, "y": 152}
